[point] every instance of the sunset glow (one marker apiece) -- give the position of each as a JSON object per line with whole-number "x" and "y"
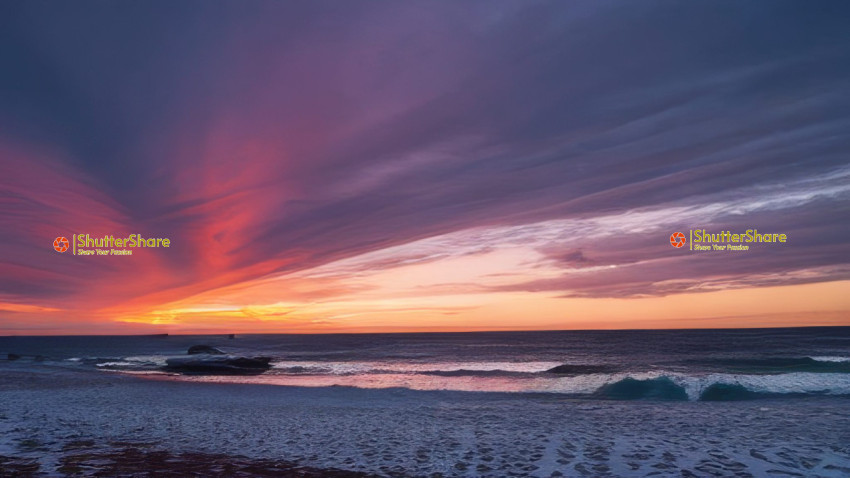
{"x": 401, "y": 168}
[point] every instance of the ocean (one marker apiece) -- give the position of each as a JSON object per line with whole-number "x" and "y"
{"x": 692, "y": 365}
{"x": 615, "y": 404}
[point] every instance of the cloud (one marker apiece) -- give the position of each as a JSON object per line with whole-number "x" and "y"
{"x": 278, "y": 138}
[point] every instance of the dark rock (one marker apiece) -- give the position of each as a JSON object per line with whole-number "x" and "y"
{"x": 568, "y": 369}
{"x": 204, "y": 349}
{"x": 219, "y": 364}
{"x": 37, "y": 358}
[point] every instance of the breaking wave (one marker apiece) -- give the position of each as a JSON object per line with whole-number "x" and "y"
{"x": 721, "y": 387}
{"x": 737, "y": 379}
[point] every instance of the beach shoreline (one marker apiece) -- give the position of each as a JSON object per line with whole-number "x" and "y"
{"x": 400, "y": 432}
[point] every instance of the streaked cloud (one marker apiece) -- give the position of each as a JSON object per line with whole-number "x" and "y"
{"x": 305, "y": 158}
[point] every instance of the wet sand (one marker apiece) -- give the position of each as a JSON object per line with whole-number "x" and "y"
{"x": 399, "y": 432}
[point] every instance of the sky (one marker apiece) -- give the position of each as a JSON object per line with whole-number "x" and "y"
{"x": 384, "y": 166}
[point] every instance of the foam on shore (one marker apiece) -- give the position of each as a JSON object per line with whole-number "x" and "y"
{"x": 419, "y": 433}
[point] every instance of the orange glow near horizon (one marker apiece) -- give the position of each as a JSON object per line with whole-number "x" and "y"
{"x": 784, "y": 306}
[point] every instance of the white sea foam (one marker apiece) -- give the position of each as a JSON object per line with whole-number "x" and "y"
{"x": 347, "y": 368}
{"x": 114, "y": 364}
{"x": 831, "y": 359}
{"x": 517, "y": 377}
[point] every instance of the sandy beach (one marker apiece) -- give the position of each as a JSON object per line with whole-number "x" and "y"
{"x": 48, "y": 414}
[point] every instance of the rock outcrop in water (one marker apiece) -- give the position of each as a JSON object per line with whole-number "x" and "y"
{"x": 209, "y": 364}
{"x": 204, "y": 349}
{"x": 37, "y": 358}
{"x": 208, "y": 360}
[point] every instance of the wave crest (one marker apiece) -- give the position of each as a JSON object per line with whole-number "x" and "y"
{"x": 778, "y": 365}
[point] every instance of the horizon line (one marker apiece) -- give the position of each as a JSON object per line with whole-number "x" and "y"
{"x": 166, "y": 334}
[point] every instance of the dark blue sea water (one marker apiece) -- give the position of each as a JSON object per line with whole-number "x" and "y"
{"x": 622, "y": 365}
